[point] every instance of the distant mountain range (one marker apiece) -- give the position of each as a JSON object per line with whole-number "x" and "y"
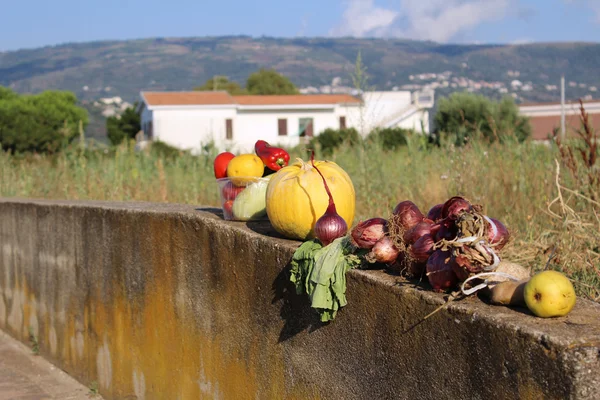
{"x": 530, "y": 72}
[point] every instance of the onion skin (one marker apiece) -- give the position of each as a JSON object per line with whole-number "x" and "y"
{"x": 383, "y": 252}
{"x": 368, "y": 232}
{"x": 414, "y": 233}
{"x": 330, "y": 227}
{"x": 407, "y": 214}
{"x": 439, "y": 271}
{"x": 435, "y": 212}
{"x": 498, "y": 234}
{"x": 454, "y": 206}
{"x": 422, "y": 248}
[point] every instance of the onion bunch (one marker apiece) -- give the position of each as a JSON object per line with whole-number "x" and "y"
{"x": 447, "y": 245}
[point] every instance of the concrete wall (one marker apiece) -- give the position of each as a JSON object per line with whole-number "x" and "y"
{"x": 157, "y": 301}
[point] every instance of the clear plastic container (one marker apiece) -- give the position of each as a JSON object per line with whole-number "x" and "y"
{"x": 243, "y": 198}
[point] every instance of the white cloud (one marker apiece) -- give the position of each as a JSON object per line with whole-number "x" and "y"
{"x": 437, "y": 20}
{"x": 362, "y": 18}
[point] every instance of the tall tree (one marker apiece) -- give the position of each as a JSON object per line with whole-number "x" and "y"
{"x": 219, "y": 82}
{"x": 463, "y": 115}
{"x": 7, "y": 93}
{"x": 269, "y": 81}
{"x": 124, "y": 126}
{"x": 45, "y": 122}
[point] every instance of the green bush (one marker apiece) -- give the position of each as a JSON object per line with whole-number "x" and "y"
{"x": 463, "y": 116}
{"x": 330, "y": 139}
{"x": 45, "y": 122}
{"x": 390, "y": 138}
{"x": 269, "y": 81}
{"x": 124, "y": 126}
{"x": 163, "y": 150}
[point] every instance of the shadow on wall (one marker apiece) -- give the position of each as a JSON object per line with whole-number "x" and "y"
{"x": 295, "y": 310}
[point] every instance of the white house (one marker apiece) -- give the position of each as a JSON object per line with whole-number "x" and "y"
{"x": 189, "y": 120}
{"x": 401, "y": 109}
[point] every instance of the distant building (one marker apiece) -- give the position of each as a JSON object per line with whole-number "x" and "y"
{"x": 189, "y": 120}
{"x": 545, "y": 117}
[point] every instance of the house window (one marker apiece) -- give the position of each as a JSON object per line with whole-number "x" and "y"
{"x": 305, "y": 127}
{"x": 342, "y": 122}
{"x": 282, "y": 126}
{"x": 228, "y": 129}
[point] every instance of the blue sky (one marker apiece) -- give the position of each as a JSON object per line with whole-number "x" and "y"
{"x": 35, "y": 23}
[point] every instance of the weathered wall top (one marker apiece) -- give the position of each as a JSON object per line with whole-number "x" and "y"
{"x": 170, "y": 301}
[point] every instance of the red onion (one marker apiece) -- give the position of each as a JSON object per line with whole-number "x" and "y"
{"x": 435, "y": 213}
{"x": 330, "y": 226}
{"x": 367, "y": 233}
{"x": 454, "y": 206}
{"x": 416, "y": 269}
{"x": 422, "y": 248}
{"x": 445, "y": 229}
{"x": 407, "y": 214}
{"x": 383, "y": 252}
{"x": 398, "y": 266}
{"x": 498, "y": 234}
{"x": 439, "y": 271}
{"x": 414, "y": 233}
{"x": 459, "y": 264}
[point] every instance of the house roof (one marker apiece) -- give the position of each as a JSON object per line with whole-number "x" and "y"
{"x": 200, "y": 98}
{"x": 543, "y": 126}
{"x": 186, "y": 98}
{"x": 296, "y": 99}
{"x": 557, "y": 103}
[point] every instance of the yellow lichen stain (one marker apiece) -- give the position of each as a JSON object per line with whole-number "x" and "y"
{"x": 15, "y": 317}
{"x": 2, "y": 312}
{"x": 53, "y": 340}
{"x": 104, "y": 367}
{"x": 139, "y": 385}
{"x": 153, "y": 346}
{"x": 148, "y": 337}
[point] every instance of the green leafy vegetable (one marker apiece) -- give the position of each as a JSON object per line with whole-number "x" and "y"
{"x": 320, "y": 272}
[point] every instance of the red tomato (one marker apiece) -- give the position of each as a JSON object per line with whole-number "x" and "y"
{"x": 227, "y": 209}
{"x": 220, "y": 164}
{"x": 230, "y": 191}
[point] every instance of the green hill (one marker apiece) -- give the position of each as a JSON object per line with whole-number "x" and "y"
{"x": 123, "y": 68}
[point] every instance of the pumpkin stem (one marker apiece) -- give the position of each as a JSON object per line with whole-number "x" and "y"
{"x": 331, "y": 207}
{"x": 303, "y": 165}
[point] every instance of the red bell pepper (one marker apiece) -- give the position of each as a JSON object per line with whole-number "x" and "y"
{"x": 274, "y": 158}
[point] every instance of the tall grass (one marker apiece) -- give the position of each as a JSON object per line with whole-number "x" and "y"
{"x": 515, "y": 182}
